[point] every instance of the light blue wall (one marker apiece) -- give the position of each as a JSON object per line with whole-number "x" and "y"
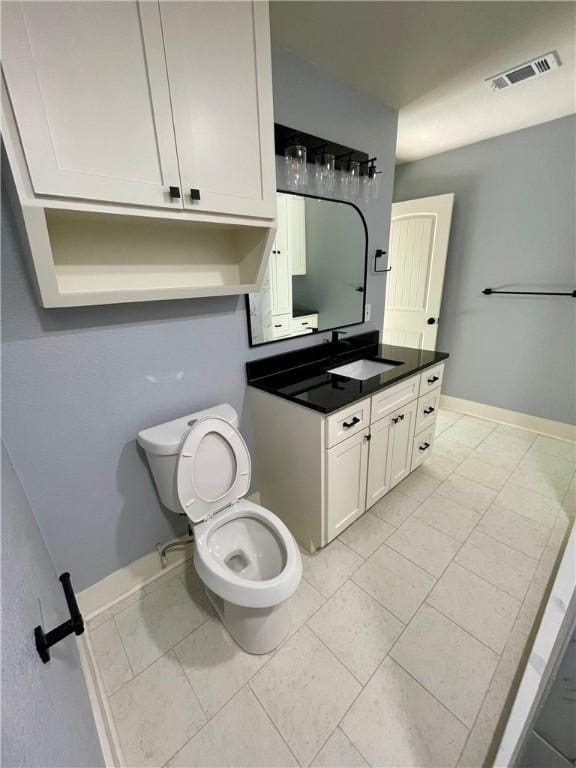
{"x": 513, "y": 226}
{"x": 47, "y": 721}
{"x": 78, "y": 384}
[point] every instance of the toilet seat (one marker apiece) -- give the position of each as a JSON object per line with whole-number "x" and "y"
{"x": 213, "y": 468}
{"x": 250, "y": 593}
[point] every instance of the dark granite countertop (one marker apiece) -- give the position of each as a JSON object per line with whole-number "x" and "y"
{"x": 303, "y": 377}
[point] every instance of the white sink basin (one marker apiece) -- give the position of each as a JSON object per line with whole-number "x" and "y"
{"x": 363, "y": 369}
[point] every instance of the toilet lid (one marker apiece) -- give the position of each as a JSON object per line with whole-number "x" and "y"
{"x": 213, "y": 468}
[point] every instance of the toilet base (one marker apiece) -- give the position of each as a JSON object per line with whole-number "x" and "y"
{"x": 256, "y": 630}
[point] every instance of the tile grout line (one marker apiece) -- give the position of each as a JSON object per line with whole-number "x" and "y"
{"x": 447, "y": 708}
{"x": 267, "y": 714}
{"x": 125, "y": 651}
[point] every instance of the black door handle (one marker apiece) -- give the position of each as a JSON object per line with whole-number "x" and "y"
{"x": 174, "y": 193}
{"x": 424, "y": 447}
{"x": 348, "y": 424}
{"x": 428, "y": 411}
{"x": 195, "y": 194}
{"x": 431, "y": 320}
{"x": 432, "y": 379}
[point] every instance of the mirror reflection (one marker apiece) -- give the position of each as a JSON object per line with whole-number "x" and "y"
{"x": 316, "y": 277}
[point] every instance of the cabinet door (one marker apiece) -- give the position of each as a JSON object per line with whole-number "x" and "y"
{"x": 280, "y": 267}
{"x": 296, "y": 226}
{"x": 402, "y": 437}
{"x": 281, "y": 281}
{"x": 379, "y": 465}
{"x": 219, "y": 69}
{"x": 88, "y": 86}
{"x": 347, "y": 468}
{"x": 281, "y": 242}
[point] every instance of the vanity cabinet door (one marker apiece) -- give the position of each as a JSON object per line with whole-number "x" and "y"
{"x": 347, "y": 469}
{"x": 88, "y": 86}
{"x": 219, "y": 69}
{"x": 402, "y": 438}
{"x": 379, "y": 461}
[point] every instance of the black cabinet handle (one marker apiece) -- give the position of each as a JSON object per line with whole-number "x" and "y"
{"x": 424, "y": 447}
{"x": 194, "y": 194}
{"x": 74, "y": 624}
{"x": 428, "y": 411}
{"x": 304, "y": 323}
{"x": 175, "y": 193}
{"x": 401, "y": 417}
{"x": 278, "y": 326}
{"x": 431, "y": 321}
{"x": 348, "y": 424}
{"x": 432, "y": 379}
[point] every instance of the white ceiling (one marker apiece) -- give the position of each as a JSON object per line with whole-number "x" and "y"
{"x": 430, "y": 60}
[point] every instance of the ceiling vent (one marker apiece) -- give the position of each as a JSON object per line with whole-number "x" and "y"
{"x": 533, "y": 68}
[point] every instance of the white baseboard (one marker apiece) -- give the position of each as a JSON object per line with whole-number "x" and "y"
{"x": 133, "y": 577}
{"x": 109, "y": 742}
{"x": 513, "y": 418}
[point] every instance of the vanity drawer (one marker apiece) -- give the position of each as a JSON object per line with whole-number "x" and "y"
{"x": 281, "y": 326}
{"x": 427, "y": 410}
{"x": 395, "y": 397}
{"x": 304, "y": 323}
{"x": 422, "y": 446}
{"x": 431, "y": 379}
{"x": 347, "y": 422}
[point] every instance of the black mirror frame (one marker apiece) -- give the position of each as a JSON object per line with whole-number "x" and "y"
{"x": 324, "y": 330}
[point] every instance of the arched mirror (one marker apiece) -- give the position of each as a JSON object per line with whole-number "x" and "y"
{"x": 316, "y": 277}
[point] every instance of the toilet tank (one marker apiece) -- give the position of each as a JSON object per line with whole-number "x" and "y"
{"x": 162, "y": 444}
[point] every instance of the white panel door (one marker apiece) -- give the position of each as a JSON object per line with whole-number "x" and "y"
{"x": 88, "y": 86}
{"x": 419, "y": 235}
{"x": 379, "y": 461}
{"x": 347, "y": 469}
{"x": 219, "y": 69}
{"x": 401, "y": 439}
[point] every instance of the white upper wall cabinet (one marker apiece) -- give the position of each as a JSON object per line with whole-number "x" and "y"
{"x": 118, "y": 102}
{"x": 141, "y": 141}
{"x": 88, "y": 86}
{"x": 218, "y": 58}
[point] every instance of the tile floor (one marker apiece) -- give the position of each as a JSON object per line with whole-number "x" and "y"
{"x": 407, "y": 632}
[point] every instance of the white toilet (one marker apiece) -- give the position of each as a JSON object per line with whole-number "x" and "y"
{"x": 244, "y": 554}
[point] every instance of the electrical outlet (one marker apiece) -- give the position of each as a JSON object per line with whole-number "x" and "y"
{"x": 367, "y": 312}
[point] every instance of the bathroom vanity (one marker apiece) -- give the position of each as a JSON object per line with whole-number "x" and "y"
{"x": 337, "y": 426}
